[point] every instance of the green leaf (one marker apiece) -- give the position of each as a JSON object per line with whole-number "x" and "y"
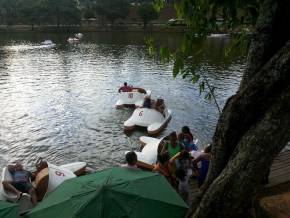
{"x": 201, "y": 87}
{"x": 178, "y": 65}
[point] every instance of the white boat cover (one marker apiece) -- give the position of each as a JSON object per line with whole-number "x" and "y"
{"x": 132, "y": 98}
{"x": 57, "y": 175}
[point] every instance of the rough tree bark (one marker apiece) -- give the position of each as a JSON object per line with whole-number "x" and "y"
{"x": 254, "y": 125}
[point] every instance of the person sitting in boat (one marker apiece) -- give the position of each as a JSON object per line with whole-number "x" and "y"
{"x": 131, "y": 160}
{"x": 159, "y": 106}
{"x": 21, "y": 182}
{"x": 204, "y": 159}
{"x": 186, "y": 138}
{"x": 173, "y": 146}
{"x": 125, "y": 88}
{"x": 147, "y": 102}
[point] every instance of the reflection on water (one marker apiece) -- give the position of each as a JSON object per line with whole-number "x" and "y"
{"x": 58, "y": 102}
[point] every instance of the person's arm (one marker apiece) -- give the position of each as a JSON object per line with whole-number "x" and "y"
{"x": 165, "y": 148}
{"x": 171, "y": 161}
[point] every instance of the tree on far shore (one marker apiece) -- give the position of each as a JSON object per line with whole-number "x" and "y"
{"x": 29, "y": 11}
{"x": 60, "y": 11}
{"x": 253, "y": 126}
{"x": 112, "y": 9}
{"x": 147, "y": 13}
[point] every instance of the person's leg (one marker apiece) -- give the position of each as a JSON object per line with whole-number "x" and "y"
{"x": 33, "y": 196}
{"x": 9, "y": 187}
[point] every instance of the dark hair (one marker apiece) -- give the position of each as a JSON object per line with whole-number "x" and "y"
{"x": 125, "y": 83}
{"x": 208, "y": 148}
{"x": 173, "y": 134}
{"x": 180, "y": 173}
{"x": 163, "y": 158}
{"x": 131, "y": 158}
{"x": 185, "y": 129}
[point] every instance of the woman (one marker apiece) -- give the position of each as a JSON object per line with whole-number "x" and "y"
{"x": 173, "y": 146}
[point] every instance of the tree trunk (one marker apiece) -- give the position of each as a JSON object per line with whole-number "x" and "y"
{"x": 254, "y": 125}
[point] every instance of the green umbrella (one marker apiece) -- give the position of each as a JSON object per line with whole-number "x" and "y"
{"x": 113, "y": 193}
{"x": 8, "y": 210}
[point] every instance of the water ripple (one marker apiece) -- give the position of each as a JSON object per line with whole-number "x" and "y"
{"x": 58, "y": 102}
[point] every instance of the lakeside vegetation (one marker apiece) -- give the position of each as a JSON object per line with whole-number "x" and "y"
{"x": 74, "y": 13}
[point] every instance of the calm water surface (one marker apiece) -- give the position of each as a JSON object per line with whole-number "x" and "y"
{"x": 58, "y": 102}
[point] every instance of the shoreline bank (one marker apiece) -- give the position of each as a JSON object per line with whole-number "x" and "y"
{"x": 72, "y": 29}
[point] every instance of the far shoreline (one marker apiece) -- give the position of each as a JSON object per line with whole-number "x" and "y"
{"x": 77, "y": 28}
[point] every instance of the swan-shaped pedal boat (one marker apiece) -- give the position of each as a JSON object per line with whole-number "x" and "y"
{"x": 135, "y": 98}
{"x": 149, "y": 152}
{"x": 46, "y": 180}
{"x": 150, "y": 118}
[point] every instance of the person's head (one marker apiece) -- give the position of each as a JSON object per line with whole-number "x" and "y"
{"x": 125, "y": 84}
{"x": 208, "y": 148}
{"x": 131, "y": 158}
{"x": 173, "y": 137}
{"x": 159, "y": 101}
{"x": 18, "y": 167}
{"x": 185, "y": 130}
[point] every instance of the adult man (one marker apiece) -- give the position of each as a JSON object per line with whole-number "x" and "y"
{"x": 20, "y": 183}
{"x": 125, "y": 88}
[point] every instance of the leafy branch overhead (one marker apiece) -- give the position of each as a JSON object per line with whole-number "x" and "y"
{"x": 201, "y": 18}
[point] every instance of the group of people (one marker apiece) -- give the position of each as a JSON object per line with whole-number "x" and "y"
{"x": 148, "y": 102}
{"x": 176, "y": 162}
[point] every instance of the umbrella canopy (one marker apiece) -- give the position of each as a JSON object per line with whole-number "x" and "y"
{"x": 8, "y": 210}
{"x": 113, "y": 193}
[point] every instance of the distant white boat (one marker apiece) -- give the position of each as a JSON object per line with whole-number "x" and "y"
{"x": 218, "y": 35}
{"x": 47, "y": 42}
{"x": 79, "y": 35}
{"x": 73, "y": 40}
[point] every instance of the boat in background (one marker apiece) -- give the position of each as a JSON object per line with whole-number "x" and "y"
{"x": 47, "y": 42}
{"x": 73, "y": 40}
{"x": 135, "y": 98}
{"x": 79, "y": 35}
{"x": 152, "y": 119}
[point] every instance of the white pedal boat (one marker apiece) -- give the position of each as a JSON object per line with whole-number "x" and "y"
{"x": 149, "y": 152}
{"x": 132, "y": 99}
{"x": 45, "y": 182}
{"x": 150, "y": 118}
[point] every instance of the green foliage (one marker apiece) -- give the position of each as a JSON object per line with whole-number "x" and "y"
{"x": 201, "y": 17}
{"x": 112, "y": 9}
{"x": 147, "y": 12}
{"x": 46, "y": 11}
{"x": 61, "y": 11}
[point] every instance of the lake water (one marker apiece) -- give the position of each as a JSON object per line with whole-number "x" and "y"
{"x": 58, "y": 102}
